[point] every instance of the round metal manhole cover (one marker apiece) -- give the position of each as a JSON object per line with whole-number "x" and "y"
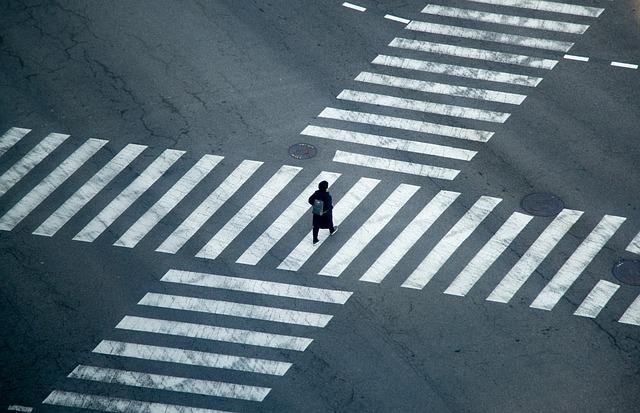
{"x": 542, "y": 204}
{"x": 627, "y": 271}
{"x": 302, "y": 151}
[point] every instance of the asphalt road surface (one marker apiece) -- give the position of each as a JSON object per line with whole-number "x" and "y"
{"x": 155, "y": 235}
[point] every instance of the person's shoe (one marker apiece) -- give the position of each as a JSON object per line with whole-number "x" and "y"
{"x": 335, "y": 229}
{"x": 315, "y": 241}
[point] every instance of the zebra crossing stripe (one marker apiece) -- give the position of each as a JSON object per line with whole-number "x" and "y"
{"x": 577, "y": 263}
{"x": 284, "y": 222}
{"x": 598, "y": 297}
{"x": 247, "y": 285}
{"x": 508, "y": 20}
{"x": 128, "y": 196}
{"x": 490, "y": 252}
{"x": 406, "y": 124}
{"x": 451, "y": 242}
{"x": 11, "y": 137}
{"x": 169, "y": 200}
{"x": 369, "y": 230}
{"x": 208, "y": 207}
{"x": 534, "y": 256}
{"x": 458, "y": 71}
{"x": 191, "y": 357}
{"x": 257, "y": 312}
{"x": 303, "y": 251}
{"x": 632, "y": 314}
{"x": 213, "y": 333}
{"x": 423, "y": 106}
{"x": 471, "y": 53}
{"x": 90, "y": 189}
{"x": 634, "y": 245}
{"x": 441, "y": 88}
{"x": 248, "y": 212}
{"x": 549, "y": 6}
{"x": 50, "y": 183}
{"x": 487, "y": 36}
{"x": 409, "y": 236}
{"x": 22, "y": 167}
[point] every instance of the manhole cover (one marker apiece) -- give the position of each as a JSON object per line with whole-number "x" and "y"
{"x": 542, "y": 204}
{"x": 627, "y": 271}
{"x": 302, "y": 151}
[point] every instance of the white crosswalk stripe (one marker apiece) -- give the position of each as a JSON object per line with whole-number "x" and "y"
{"x": 634, "y": 245}
{"x": 554, "y": 7}
{"x": 11, "y": 137}
{"x": 598, "y": 297}
{"x": 49, "y": 184}
{"x": 632, "y": 313}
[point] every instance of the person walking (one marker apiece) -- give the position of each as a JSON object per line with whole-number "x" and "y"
{"x": 322, "y": 210}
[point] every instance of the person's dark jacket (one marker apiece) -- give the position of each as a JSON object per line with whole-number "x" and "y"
{"x": 324, "y": 221}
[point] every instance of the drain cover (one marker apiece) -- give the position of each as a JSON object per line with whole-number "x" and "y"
{"x": 542, "y": 204}
{"x": 627, "y": 271}
{"x": 302, "y": 151}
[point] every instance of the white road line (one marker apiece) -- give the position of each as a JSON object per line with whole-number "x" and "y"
{"x": 625, "y": 65}
{"x": 508, "y": 20}
{"x": 305, "y": 248}
{"x": 423, "y": 106}
{"x": 409, "y": 236}
{"x": 388, "y": 142}
{"x": 487, "y": 36}
{"x": 396, "y": 18}
{"x": 128, "y": 196}
{"x": 257, "y": 312}
{"x": 574, "y": 57}
{"x": 10, "y": 138}
{"x": 632, "y": 314}
{"x": 577, "y": 263}
{"x": 214, "y": 333}
{"x": 249, "y": 285}
{"x": 634, "y": 245}
{"x": 458, "y": 71}
{"x": 22, "y": 167}
{"x": 18, "y": 408}
{"x": 118, "y": 405}
{"x": 395, "y": 165}
{"x": 354, "y": 6}
{"x": 441, "y": 88}
{"x": 534, "y": 256}
{"x": 191, "y": 357}
{"x": 406, "y": 124}
{"x": 490, "y": 252}
{"x": 284, "y": 222}
{"x": 248, "y": 212}
{"x": 369, "y": 230}
{"x": 50, "y": 183}
{"x": 169, "y": 200}
{"x": 470, "y": 53}
{"x": 208, "y": 207}
{"x": 451, "y": 242}
{"x": 553, "y": 7}
{"x": 169, "y": 383}
{"x": 90, "y": 189}
{"x": 598, "y": 297}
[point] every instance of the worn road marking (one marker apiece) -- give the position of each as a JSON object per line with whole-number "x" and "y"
{"x": 11, "y": 137}
{"x": 598, "y": 297}
{"x": 550, "y": 6}
{"x": 395, "y": 165}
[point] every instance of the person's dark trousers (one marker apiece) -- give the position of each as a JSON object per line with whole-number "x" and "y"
{"x": 317, "y": 229}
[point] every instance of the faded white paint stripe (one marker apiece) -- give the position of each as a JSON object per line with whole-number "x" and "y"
{"x": 128, "y": 196}
{"x": 487, "y": 255}
{"x": 22, "y": 167}
{"x": 10, "y": 138}
{"x": 277, "y": 315}
{"x": 214, "y": 333}
{"x": 168, "y": 201}
{"x": 249, "y": 285}
{"x": 534, "y": 256}
{"x": 574, "y": 57}
{"x": 487, "y": 36}
{"x": 305, "y": 248}
{"x": 18, "y": 408}
{"x": 632, "y": 314}
{"x": 451, "y": 242}
{"x": 396, "y": 18}
{"x": 369, "y": 230}
{"x": 191, "y": 357}
{"x": 248, "y": 212}
{"x": 598, "y": 297}
{"x": 441, "y": 88}
{"x": 395, "y": 165}
{"x": 354, "y": 6}
{"x": 406, "y": 124}
{"x": 577, "y": 263}
{"x": 208, "y": 207}
{"x": 549, "y": 6}
{"x": 508, "y": 20}
{"x": 470, "y": 53}
{"x": 458, "y": 71}
{"x": 90, "y": 189}
{"x": 423, "y": 106}
{"x": 284, "y": 222}
{"x": 625, "y": 65}
{"x": 50, "y": 183}
{"x": 409, "y": 236}
{"x": 634, "y": 245}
